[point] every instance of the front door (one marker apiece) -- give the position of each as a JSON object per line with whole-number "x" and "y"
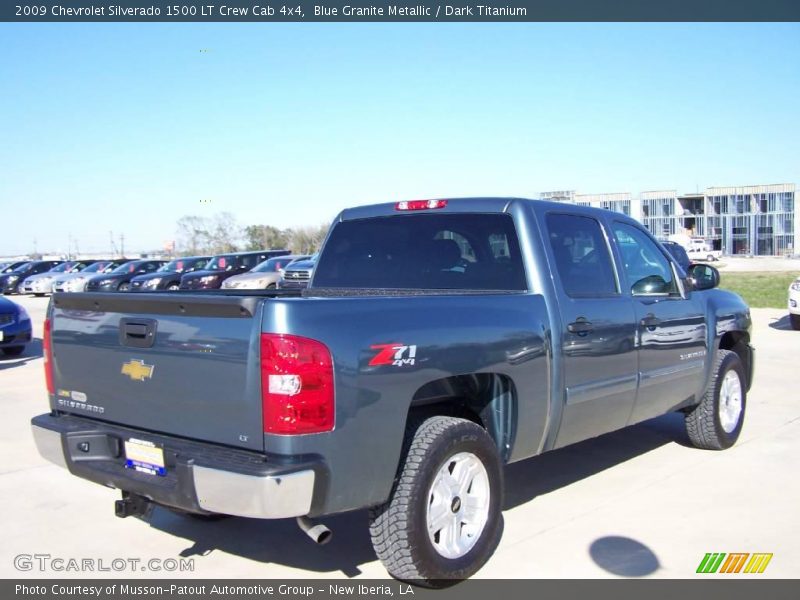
{"x": 671, "y": 325}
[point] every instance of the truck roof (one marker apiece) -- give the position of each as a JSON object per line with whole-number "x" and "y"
{"x": 467, "y": 205}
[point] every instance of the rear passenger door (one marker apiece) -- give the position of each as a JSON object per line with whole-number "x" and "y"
{"x": 598, "y": 329}
{"x": 671, "y": 325}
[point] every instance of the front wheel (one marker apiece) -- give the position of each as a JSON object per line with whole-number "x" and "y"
{"x": 443, "y": 520}
{"x": 795, "y": 321}
{"x": 173, "y": 287}
{"x": 124, "y": 287}
{"x": 715, "y": 423}
{"x": 13, "y": 350}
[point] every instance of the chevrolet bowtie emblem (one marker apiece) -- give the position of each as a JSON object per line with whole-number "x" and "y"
{"x": 137, "y": 370}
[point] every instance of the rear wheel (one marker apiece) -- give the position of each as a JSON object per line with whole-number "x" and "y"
{"x": 173, "y": 287}
{"x": 715, "y": 423}
{"x": 443, "y": 520}
{"x": 795, "y": 321}
{"x": 13, "y": 350}
{"x": 124, "y": 287}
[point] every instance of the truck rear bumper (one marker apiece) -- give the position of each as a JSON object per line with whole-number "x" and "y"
{"x": 200, "y": 477}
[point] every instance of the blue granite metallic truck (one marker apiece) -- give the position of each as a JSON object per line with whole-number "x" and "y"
{"x": 438, "y": 341}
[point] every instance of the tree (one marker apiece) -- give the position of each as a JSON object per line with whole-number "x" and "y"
{"x": 258, "y": 237}
{"x": 194, "y": 235}
{"x": 306, "y": 240}
{"x": 225, "y": 233}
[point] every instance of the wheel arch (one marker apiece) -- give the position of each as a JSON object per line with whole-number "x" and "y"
{"x": 487, "y": 399}
{"x": 739, "y": 342}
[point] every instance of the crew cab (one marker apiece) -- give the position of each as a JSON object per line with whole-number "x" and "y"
{"x": 438, "y": 340}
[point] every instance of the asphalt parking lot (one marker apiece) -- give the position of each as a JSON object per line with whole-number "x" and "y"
{"x": 635, "y": 503}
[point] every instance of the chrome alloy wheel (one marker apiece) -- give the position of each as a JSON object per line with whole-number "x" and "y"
{"x": 730, "y": 401}
{"x": 458, "y": 505}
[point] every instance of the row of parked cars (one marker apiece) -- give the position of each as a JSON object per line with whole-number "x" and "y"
{"x": 263, "y": 269}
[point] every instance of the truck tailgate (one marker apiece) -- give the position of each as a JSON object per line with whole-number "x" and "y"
{"x": 179, "y": 364}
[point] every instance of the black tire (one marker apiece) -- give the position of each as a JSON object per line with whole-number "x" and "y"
{"x": 703, "y": 423}
{"x": 173, "y": 287}
{"x": 124, "y": 287}
{"x": 398, "y": 527}
{"x": 271, "y": 286}
{"x": 795, "y": 321}
{"x": 13, "y": 350}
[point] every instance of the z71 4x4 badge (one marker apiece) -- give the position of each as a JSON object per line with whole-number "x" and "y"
{"x": 397, "y": 355}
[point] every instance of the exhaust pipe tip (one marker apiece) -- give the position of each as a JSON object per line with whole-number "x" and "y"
{"x": 318, "y": 532}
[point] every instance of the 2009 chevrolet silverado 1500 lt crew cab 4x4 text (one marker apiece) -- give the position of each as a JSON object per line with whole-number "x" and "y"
{"x": 438, "y": 341}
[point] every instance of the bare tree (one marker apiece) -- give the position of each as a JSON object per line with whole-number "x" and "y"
{"x": 226, "y": 233}
{"x": 194, "y": 235}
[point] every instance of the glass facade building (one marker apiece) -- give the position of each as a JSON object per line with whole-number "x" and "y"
{"x": 755, "y": 220}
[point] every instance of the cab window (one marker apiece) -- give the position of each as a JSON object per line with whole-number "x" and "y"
{"x": 648, "y": 271}
{"x": 581, "y": 254}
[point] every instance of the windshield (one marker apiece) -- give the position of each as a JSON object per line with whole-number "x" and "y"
{"x": 173, "y": 266}
{"x": 221, "y": 263}
{"x": 63, "y": 267}
{"x": 128, "y": 267}
{"x": 271, "y": 265}
{"x": 96, "y": 267}
{"x": 22, "y": 268}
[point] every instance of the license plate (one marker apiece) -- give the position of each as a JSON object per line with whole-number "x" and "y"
{"x": 144, "y": 457}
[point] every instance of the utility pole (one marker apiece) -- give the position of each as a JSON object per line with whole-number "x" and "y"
{"x": 113, "y": 245}
{"x": 69, "y": 246}
{"x": 122, "y": 244}
{"x": 35, "y": 249}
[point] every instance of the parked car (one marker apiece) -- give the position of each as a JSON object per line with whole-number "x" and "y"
{"x": 265, "y": 275}
{"x": 42, "y": 284}
{"x": 794, "y": 303}
{"x": 703, "y": 254}
{"x": 168, "y": 277}
{"x": 76, "y": 282}
{"x": 9, "y": 282}
{"x": 223, "y": 266}
{"x": 398, "y": 383}
{"x": 298, "y": 275}
{"x": 8, "y": 267}
{"x": 119, "y": 280}
{"x": 678, "y": 252}
{"x": 15, "y": 327}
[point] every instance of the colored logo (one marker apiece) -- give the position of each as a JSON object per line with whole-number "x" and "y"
{"x": 735, "y": 562}
{"x": 137, "y": 370}
{"x": 398, "y": 355}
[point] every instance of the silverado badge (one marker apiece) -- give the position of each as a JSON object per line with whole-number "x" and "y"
{"x": 137, "y": 370}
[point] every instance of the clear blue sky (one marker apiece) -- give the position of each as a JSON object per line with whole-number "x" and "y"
{"x": 127, "y": 127}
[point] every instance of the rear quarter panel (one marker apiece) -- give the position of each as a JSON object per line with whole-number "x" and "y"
{"x": 453, "y": 335}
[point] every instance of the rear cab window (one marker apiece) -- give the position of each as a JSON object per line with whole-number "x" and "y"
{"x": 582, "y": 256}
{"x": 423, "y": 252}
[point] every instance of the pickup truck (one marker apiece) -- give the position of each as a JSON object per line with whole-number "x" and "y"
{"x": 438, "y": 341}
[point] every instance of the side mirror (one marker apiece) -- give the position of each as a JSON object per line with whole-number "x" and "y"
{"x": 703, "y": 277}
{"x": 652, "y": 284}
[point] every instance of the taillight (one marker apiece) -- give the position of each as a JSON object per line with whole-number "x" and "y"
{"x": 47, "y": 347}
{"x": 296, "y": 385}
{"x": 420, "y": 204}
